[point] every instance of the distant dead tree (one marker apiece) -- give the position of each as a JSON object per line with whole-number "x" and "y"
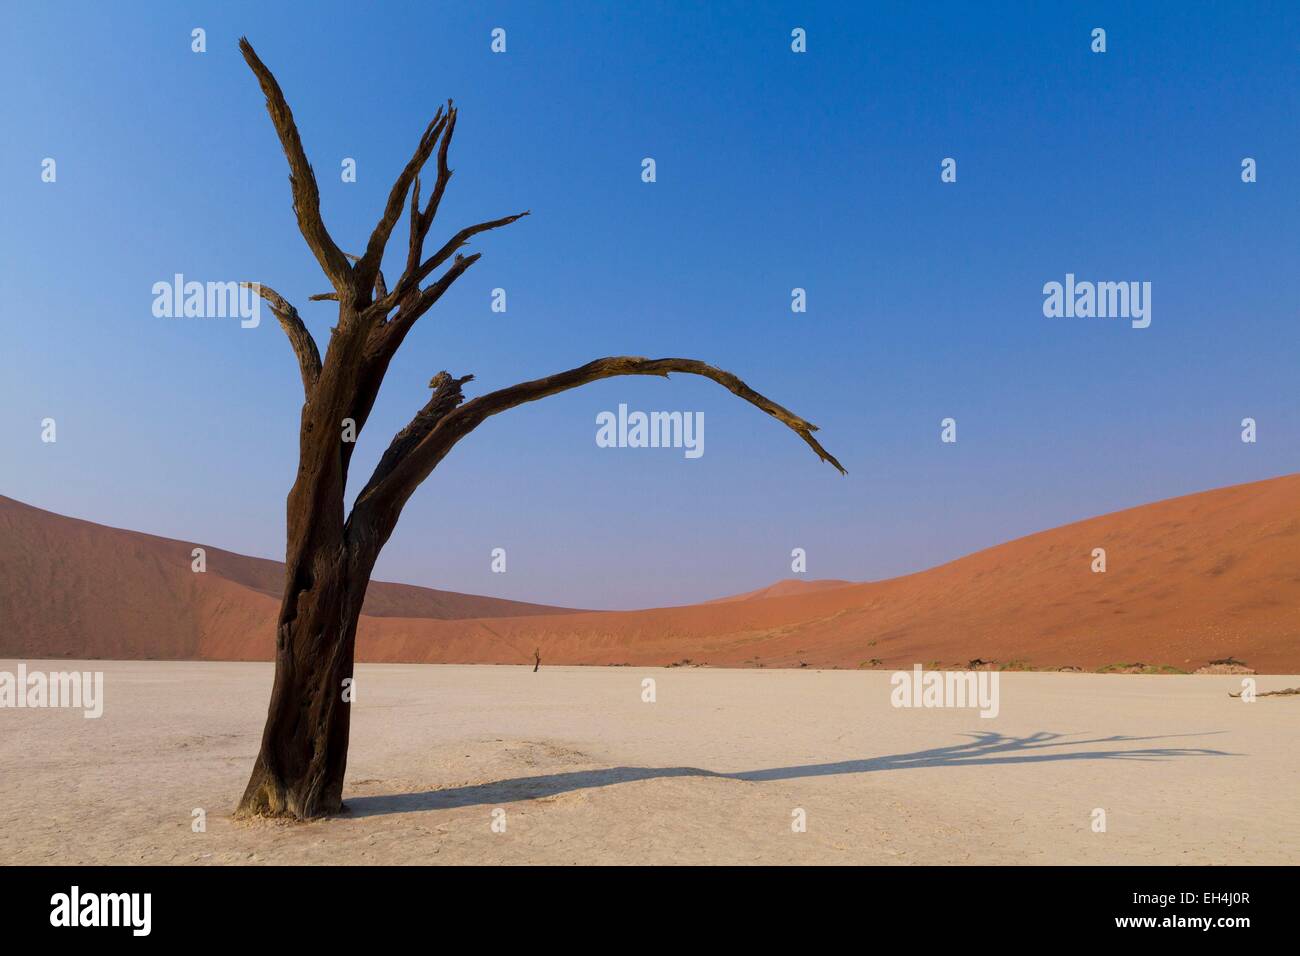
{"x": 329, "y": 554}
{"x": 537, "y": 659}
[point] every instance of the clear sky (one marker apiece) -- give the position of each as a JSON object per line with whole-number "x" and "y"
{"x": 775, "y": 170}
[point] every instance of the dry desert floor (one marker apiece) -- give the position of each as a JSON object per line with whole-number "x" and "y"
{"x": 582, "y": 770}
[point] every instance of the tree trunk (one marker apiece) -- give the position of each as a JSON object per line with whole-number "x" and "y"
{"x": 303, "y": 756}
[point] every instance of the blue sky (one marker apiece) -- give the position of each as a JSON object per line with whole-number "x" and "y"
{"x": 775, "y": 170}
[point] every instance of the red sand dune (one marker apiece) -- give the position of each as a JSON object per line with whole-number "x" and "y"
{"x": 784, "y": 588}
{"x": 1188, "y": 580}
{"x": 71, "y": 588}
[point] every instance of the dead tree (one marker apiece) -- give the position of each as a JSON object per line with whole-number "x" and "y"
{"x": 330, "y": 554}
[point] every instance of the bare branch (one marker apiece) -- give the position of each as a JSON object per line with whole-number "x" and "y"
{"x": 368, "y": 264}
{"x": 392, "y": 334}
{"x": 446, "y": 396}
{"x": 462, "y": 238}
{"x": 411, "y": 281}
{"x": 304, "y": 346}
{"x": 421, "y": 221}
{"x": 415, "y": 244}
{"x": 306, "y": 195}
{"x": 392, "y": 491}
{"x": 444, "y": 173}
{"x": 404, "y": 296}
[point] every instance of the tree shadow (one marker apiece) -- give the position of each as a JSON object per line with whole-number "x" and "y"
{"x": 986, "y": 749}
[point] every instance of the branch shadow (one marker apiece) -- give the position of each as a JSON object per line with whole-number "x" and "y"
{"x": 984, "y": 750}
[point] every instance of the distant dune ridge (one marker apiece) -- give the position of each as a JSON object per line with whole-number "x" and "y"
{"x": 1188, "y": 580}
{"x": 784, "y": 588}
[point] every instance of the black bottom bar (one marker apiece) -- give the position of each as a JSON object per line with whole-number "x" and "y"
{"x": 1224, "y": 905}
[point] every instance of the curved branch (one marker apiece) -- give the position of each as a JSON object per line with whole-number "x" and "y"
{"x": 306, "y": 195}
{"x": 391, "y": 491}
{"x": 304, "y": 346}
